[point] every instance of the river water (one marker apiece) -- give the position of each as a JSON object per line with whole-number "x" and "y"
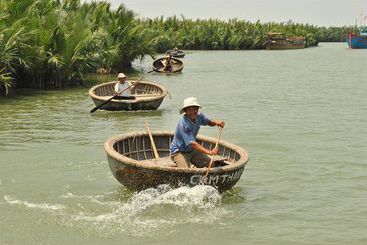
{"x": 301, "y": 115}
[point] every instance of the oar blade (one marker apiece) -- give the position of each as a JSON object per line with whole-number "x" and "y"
{"x": 94, "y": 109}
{"x": 100, "y": 105}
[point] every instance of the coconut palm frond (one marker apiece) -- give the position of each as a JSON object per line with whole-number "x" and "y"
{"x": 5, "y": 80}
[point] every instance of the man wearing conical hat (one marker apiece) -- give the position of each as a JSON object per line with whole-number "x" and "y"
{"x": 123, "y": 87}
{"x": 184, "y": 148}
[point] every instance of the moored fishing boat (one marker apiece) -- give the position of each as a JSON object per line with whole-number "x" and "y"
{"x": 132, "y": 162}
{"x": 148, "y": 96}
{"x": 176, "y": 53}
{"x": 357, "y": 41}
{"x": 158, "y": 65}
{"x": 278, "y": 41}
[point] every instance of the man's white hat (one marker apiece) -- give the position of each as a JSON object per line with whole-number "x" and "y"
{"x": 191, "y": 101}
{"x": 121, "y": 75}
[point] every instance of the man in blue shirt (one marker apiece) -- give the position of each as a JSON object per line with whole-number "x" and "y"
{"x": 184, "y": 148}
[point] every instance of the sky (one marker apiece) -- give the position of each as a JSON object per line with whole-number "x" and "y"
{"x": 315, "y": 12}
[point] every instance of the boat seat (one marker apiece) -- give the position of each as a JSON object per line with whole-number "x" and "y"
{"x": 220, "y": 159}
{"x": 162, "y": 161}
{"x": 135, "y": 95}
{"x": 167, "y": 161}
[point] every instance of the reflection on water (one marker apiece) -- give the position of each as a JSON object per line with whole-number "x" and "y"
{"x": 127, "y": 114}
{"x": 62, "y": 117}
{"x": 234, "y": 195}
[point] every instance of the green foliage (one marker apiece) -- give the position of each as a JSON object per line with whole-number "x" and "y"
{"x": 5, "y": 80}
{"x": 54, "y": 43}
{"x": 233, "y": 34}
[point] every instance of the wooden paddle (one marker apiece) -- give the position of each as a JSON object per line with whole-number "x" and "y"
{"x": 212, "y": 157}
{"x": 100, "y": 105}
{"x": 156, "y": 155}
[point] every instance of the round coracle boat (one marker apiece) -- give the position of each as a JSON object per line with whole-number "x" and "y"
{"x": 176, "y": 53}
{"x": 132, "y": 162}
{"x": 148, "y": 96}
{"x": 158, "y": 65}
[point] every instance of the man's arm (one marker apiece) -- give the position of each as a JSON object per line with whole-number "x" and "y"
{"x": 164, "y": 62}
{"x": 196, "y": 146}
{"x": 216, "y": 123}
{"x": 116, "y": 89}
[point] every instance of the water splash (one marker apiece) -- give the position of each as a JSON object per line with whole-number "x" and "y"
{"x": 150, "y": 211}
{"x": 139, "y": 214}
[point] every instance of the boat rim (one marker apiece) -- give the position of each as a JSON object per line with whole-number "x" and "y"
{"x": 110, "y": 151}
{"x": 161, "y": 95}
{"x": 180, "y": 51}
{"x": 173, "y": 58}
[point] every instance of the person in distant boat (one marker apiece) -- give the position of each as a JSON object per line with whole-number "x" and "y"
{"x": 167, "y": 63}
{"x": 184, "y": 148}
{"x": 175, "y": 51}
{"x": 123, "y": 88}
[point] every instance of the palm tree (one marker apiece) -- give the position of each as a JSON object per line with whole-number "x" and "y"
{"x": 132, "y": 40}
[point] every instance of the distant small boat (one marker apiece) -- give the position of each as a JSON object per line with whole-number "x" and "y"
{"x": 278, "y": 41}
{"x": 132, "y": 162}
{"x": 357, "y": 41}
{"x": 148, "y": 96}
{"x": 177, "y": 65}
{"x": 176, "y": 53}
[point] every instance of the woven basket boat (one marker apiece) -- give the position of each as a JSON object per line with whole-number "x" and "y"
{"x": 177, "y": 65}
{"x": 148, "y": 96}
{"x": 131, "y": 161}
{"x": 177, "y": 54}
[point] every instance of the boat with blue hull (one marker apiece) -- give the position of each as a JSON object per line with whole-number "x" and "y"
{"x": 357, "y": 41}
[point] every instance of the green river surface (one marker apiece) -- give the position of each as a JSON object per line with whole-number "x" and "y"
{"x": 300, "y": 114}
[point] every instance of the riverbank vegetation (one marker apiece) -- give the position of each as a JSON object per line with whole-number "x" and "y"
{"x": 55, "y": 43}
{"x": 234, "y": 34}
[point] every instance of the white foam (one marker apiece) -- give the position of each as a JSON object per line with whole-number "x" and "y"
{"x": 92, "y": 198}
{"x": 199, "y": 196}
{"x": 46, "y": 206}
{"x": 144, "y": 213}
{"x": 152, "y": 210}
